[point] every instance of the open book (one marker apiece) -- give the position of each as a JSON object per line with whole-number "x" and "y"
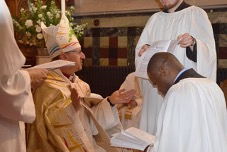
{"x": 132, "y": 138}
{"x": 55, "y": 64}
{"x": 157, "y": 46}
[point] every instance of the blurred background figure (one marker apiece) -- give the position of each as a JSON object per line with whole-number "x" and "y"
{"x": 130, "y": 113}
{"x": 16, "y": 104}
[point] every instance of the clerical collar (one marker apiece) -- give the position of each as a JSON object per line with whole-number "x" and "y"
{"x": 182, "y": 71}
{"x": 182, "y": 6}
{"x": 66, "y": 75}
{"x": 70, "y": 77}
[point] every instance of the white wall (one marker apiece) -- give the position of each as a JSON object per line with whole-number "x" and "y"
{"x": 208, "y": 3}
{"x": 90, "y": 7}
{"x": 113, "y": 6}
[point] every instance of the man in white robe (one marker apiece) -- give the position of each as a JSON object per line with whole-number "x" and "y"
{"x": 16, "y": 103}
{"x": 196, "y": 49}
{"x": 193, "y": 116}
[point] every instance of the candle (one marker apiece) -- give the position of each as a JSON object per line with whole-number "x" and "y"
{"x": 63, "y": 7}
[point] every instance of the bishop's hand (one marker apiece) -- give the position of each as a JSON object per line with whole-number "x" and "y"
{"x": 75, "y": 99}
{"x": 122, "y": 96}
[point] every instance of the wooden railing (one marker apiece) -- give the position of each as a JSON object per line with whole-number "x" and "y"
{"x": 104, "y": 80}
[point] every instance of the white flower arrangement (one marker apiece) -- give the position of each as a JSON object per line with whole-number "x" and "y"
{"x": 28, "y": 24}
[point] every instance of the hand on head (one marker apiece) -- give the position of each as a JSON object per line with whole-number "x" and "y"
{"x": 38, "y": 76}
{"x": 122, "y": 96}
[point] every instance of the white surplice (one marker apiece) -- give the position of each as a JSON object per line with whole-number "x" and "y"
{"x": 16, "y": 103}
{"x": 193, "y": 118}
{"x": 167, "y": 26}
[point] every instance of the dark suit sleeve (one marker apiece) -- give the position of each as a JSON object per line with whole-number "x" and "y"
{"x": 192, "y": 55}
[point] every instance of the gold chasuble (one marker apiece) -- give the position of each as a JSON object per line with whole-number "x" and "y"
{"x": 60, "y": 128}
{"x": 54, "y": 130}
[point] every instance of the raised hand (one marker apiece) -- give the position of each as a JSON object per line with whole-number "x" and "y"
{"x": 75, "y": 99}
{"x": 122, "y": 96}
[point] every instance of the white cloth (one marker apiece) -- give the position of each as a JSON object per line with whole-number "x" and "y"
{"x": 193, "y": 118}
{"x": 16, "y": 103}
{"x": 84, "y": 123}
{"x": 167, "y": 26}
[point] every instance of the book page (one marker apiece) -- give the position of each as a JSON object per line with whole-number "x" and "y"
{"x": 55, "y": 64}
{"x": 141, "y": 69}
{"x": 157, "y": 46}
{"x": 142, "y": 135}
{"x": 127, "y": 141}
{"x": 172, "y": 46}
{"x": 132, "y": 138}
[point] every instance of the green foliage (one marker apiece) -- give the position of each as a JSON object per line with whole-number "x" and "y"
{"x": 28, "y": 23}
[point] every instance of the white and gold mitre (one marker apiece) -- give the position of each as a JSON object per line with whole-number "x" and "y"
{"x": 60, "y": 38}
